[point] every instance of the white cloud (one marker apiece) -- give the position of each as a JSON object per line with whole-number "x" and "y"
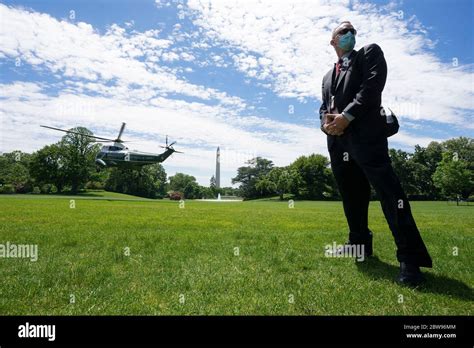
{"x": 187, "y": 57}
{"x": 408, "y": 140}
{"x": 170, "y": 56}
{"x": 162, "y": 3}
{"x": 78, "y": 51}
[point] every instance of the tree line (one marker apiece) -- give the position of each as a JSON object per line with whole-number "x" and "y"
{"x": 439, "y": 171}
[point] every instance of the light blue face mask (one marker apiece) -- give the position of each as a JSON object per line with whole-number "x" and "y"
{"x": 347, "y": 41}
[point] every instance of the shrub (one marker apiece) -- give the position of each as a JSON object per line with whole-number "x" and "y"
{"x": 95, "y": 185}
{"x": 7, "y": 189}
{"x": 176, "y": 195}
{"x": 23, "y": 187}
{"x": 46, "y": 188}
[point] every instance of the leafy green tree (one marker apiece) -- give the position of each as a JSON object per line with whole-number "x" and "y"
{"x": 314, "y": 176}
{"x": 406, "y": 170}
{"x": 14, "y": 170}
{"x": 152, "y": 181}
{"x": 192, "y": 190}
{"x": 47, "y": 167}
{"x": 265, "y": 186}
{"x": 214, "y": 190}
{"x": 279, "y": 180}
{"x": 179, "y": 181}
{"x": 426, "y": 160}
{"x": 188, "y": 185}
{"x": 206, "y": 192}
{"x": 229, "y": 191}
{"x": 454, "y": 177}
{"x": 429, "y": 156}
{"x": 148, "y": 181}
{"x": 79, "y": 153}
{"x": 248, "y": 176}
{"x": 462, "y": 148}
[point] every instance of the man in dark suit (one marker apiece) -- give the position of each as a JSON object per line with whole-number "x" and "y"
{"x": 357, "y": 143}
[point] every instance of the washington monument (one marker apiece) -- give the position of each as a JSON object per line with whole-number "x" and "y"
{"x": 218, "y": 168}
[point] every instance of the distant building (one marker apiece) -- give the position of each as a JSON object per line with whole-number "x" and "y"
{"x": 218, "y": 168}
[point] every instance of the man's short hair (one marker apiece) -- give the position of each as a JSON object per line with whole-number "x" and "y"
{"x": 339, "y": 25}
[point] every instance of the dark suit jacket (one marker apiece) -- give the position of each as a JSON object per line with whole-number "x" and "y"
{"x": 359, "y": 92}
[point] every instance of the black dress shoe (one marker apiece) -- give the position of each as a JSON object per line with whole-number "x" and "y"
{"x": 368, "y": 247}
{"x": 410, "y": 274}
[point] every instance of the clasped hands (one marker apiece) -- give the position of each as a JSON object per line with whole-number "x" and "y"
{"x": 334, "y": 124}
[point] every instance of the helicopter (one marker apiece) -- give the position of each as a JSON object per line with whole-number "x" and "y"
{"x": 118, "y": 155}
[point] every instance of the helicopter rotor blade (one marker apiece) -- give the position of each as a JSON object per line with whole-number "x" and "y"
{"x": 115, "y": 141}
{"x": 72, "y": 132}
{"x": 120, "y": 132}
{"x": 174, "y": 142}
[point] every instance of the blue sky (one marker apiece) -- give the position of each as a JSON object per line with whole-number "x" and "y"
{"x": 242, "y": 75}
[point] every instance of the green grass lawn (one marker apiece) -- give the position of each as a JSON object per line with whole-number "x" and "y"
{"x": 183, "y": 260}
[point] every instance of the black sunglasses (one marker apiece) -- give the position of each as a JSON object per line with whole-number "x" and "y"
{"x": 346, "y": 30}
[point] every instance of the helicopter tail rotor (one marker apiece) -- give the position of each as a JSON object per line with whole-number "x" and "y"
{"x": 170, "y": 146}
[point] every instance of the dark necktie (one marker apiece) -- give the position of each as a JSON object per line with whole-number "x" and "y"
{"x": 338, "y": 67}
{"x": 335, "y": 79}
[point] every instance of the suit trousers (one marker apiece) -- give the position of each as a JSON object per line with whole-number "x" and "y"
{"x": 357, "y": 165}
